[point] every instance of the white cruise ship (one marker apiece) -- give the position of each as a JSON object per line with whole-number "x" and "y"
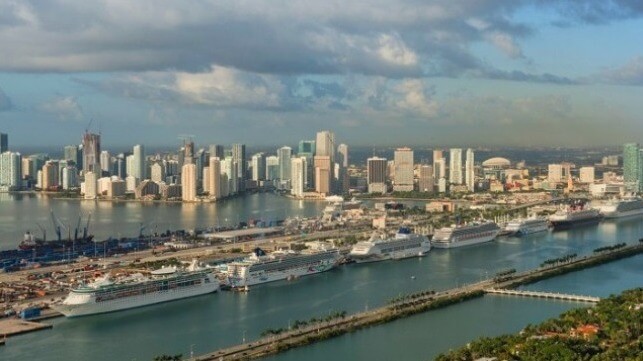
{"x": 458, "y": 236}
{"x": 575, "y": 215}
{"x": 628, "y": 207}
{"x": 404, "y": 245}
{"x": 166, "y": 284}
{"x": 525, "y": 226}
{"x": 261, "y": 268}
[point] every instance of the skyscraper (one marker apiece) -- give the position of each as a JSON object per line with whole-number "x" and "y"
{"x": 403, "y": 170}
{"x": 91, "y": 185}
{"x": 215, "y": 178}
{"x": 425, "y": 179}
{"x": 298, "y": 168}
{"x": 325, "y": 144}
{"x": 4, "y": 142}
{"x": 631, "y": 167}
{"x": 307, "y": 149}
{"x": 216, "y": 151}
{"x": 258, "y": 164}
{"x": 73, "y": 153}
{"x": 157, "y": 172}
{"x": 105, "y": 162}
{"x": 469, "y": 170}
{"x": 455, "y": 166}
{"x": 554, "y": 173}
{"x": 272, "y": 167}
{"x": 10, "y": 172}
{"x": 188, "y": 182}
{"x": 69, "y": 179}
{"x": 342, "y": 150}
{"x": 285, "y": 155}
{"x": 91, "y": 152}
{"x": 239, "y": 155}
{"x": 139, "y": 166}
{"x": 376, "y": 178}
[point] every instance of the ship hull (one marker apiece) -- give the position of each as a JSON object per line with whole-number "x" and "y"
{"x": 88, "y": 309}
{"x": 265, "y": 277}
{"x": 564, "y": 224}
{"x": 376, "y": 257}
{"x": 617, "y": 214}
{"x": 469, "y": 242}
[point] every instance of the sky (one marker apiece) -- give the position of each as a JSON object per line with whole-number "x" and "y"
{"x": 415, "y": 72}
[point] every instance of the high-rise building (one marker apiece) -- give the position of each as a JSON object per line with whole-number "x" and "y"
{"x": 69, "y": 177}
{"x": 425, "y": 179}
{"x": 138, "y": 159}
{"x": 188, "y": 182}
{"x": 376, "y": 178}
{"x": 469, "y": 170}
{"x": 90, "y": 185}
{"x": 323, "y": 174}
{"x": 631, "y": 167}
{"x": 298, "y": 168}
{"x": 258, "y": 164}
{"x": 272, "y": 168}
{"x": 325, "y": 145}
{"x": 306, "y": 147}
{"x": 455, "y": 166}
{"x": 403, "y": 181}
{"x": 217, "y": 151}
{"x": 10, "y": 172}
{"x": 437, "y": 154}
{"x": 157, "y": 171}
{"x": 239, "y": 156}
{"x": 50, "y": 175}
{"x": 215, "y": 178}
{"x": 439, "y": 168}
{"x": 285, "y": 155}
{"x": 4, "y": 142}
{"x": 91, "y": 152}
{"x": 105, "y": 162}
{"x": 74, "y": 154}
{"x": 342, "y": 150}
{"x": 554, "y": 173}
{"x": 586, "y": 175}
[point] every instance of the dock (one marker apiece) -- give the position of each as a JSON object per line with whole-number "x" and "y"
{"x": 548, "y": 295}
{"x": 16, "y": 326}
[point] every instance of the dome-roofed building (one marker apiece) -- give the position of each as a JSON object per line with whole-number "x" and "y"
{"x": 496, "y": 162}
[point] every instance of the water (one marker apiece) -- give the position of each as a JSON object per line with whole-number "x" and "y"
{"x": 213, "y": 321}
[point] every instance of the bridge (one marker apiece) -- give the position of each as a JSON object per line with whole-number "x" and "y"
{"x": 549, "y": 295}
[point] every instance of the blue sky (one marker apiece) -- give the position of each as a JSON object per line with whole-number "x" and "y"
{"x": 436, "y": 72}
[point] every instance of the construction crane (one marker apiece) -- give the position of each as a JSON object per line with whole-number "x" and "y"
{"x": 86, "y": 229}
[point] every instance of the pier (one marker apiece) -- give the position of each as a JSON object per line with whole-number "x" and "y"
{"x": 413, "y": 304}
{"x": 548, "y": 295}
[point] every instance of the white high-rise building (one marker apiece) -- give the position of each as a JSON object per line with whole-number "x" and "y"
{"x": 403, "y": 170}
{"x": 205, "y": 182}
{"x": 442, "y": 185}
{"x": 10, "y": 170}
{"x": 258, "y": 164}
{"x": 138, "y": 158}
{"x": 455, "y": 166}
{"x": 215, "y": 178}
{"x": 439, "y": 168}
{"x": 157, "y": 172}
{"x": 325, "y": 145}
{"x": 69, "y": 177}
{"x": 272, "y": 167}
{"x": 284, "y": 154}
{"x": 587, "y": 175}
{"x": 469, "y": 170}
{"x": 377, "y": 171}
{"x": 298, "y": 180}
{"x": 91, "y": 185}
{"x": 555, "y": 173}
{"x": 342, "y": 151}
{"x": 188, "y": 182}
{"x": 105, "y": 161}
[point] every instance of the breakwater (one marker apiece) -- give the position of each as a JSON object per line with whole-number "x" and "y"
{"x": 407, "y": 306}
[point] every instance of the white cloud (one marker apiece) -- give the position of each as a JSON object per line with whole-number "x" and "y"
{"x": 64, "y": 108}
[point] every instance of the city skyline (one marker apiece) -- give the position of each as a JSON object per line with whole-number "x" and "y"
{"x": 491, "y": 73}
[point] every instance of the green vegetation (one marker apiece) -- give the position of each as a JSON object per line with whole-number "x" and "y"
{"x": 153, "y": 265}
{"x": 610, "y": 248}
{"x": 559, "y": 260}
{"x": 301, "y": 324}
{"x": 609, "y": 331}
{"x": 178, "y": 357}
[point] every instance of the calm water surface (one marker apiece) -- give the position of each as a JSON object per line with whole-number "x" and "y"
{"x": 213, "y": 321}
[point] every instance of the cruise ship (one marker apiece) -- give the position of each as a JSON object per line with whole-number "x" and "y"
{"x": 628, "y": 207}
{"x": 260, "y": 267}
{"x": 404, "y": 245}
{"x": 465, "y": 235}
{"x": 574, "y": 216}
{"x": 525, "y": 226}
{"x": 162, "y": 285}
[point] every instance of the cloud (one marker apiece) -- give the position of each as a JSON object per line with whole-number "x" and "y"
{"x": 394, "y": 39}
{"x": 5, "y": 101}
{"x": 64, "y": 108}
{"x": 629, "y": 74}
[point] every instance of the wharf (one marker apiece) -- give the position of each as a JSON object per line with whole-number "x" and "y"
{"x": 15, "y": 326}
{"x": 404, "y": 307}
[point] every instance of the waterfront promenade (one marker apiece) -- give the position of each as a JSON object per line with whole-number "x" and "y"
{"x": 406, "y": 306}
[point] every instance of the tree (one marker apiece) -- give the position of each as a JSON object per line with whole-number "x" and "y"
{"x": 164, "y": 357}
